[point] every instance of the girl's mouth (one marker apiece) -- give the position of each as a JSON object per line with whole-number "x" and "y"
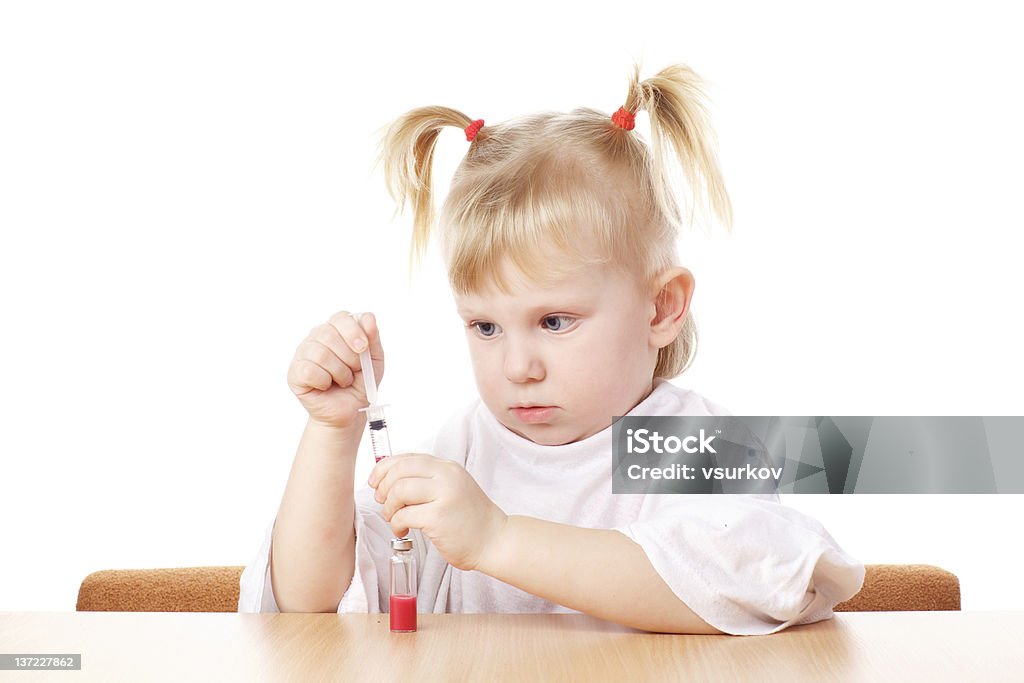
{"x": 534, "y": 414}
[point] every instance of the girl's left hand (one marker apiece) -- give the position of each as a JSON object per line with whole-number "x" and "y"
{"x": 442, "y": 500}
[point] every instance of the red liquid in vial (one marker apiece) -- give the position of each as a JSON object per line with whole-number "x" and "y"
{"x": 403, "y": 613}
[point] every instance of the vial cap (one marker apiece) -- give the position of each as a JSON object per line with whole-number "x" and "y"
{"x": 401, "y": 544}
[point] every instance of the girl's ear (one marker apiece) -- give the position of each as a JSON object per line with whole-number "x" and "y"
{"x": 670, "y": 301}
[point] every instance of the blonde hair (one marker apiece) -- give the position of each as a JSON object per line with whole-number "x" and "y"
{"x": 554, "y": 192}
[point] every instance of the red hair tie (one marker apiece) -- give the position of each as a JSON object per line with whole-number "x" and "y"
{"x": 624, "y": 119}
{"x": 473, "y": 128}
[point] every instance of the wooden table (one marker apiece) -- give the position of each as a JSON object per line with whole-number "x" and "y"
{"x": 179, "y": 646}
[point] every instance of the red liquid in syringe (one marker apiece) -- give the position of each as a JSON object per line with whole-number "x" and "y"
{"x": 379, "y": 440}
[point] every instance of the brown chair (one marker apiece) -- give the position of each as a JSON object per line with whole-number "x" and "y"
{"x": 904, "y": 587}
{"x": 190, "y": 589}
{"x": 887, "y": 587}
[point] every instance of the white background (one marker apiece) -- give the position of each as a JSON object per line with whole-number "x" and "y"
{"x": 187, "y": 188}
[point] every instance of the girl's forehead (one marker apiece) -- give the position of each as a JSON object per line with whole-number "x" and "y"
{"x": 582, "y": 287}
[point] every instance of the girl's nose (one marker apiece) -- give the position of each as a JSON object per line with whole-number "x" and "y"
{"x": 522, "y": 363}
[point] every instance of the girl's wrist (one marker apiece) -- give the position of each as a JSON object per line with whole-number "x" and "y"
{"x": 336, "y": 444}
{"x": 497, "y": 546}
{"x": 335, "y": 433}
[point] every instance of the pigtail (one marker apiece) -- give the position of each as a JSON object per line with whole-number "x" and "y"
{"x": 680, "y": 124}
{"x": 407, "y": 153}
{"x": 674, "y": 101}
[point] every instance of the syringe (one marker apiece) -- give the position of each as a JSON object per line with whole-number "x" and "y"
{"x": 379, "y": 439}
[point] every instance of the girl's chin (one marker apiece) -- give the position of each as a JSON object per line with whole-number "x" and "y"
{"x": 544, "y": 435}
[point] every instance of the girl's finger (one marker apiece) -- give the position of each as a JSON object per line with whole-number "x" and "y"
{"x": 318, "y": 353}
{"x": 385, "y": 465}
{"x": 341, "y": 335}
{"x": 385, "y": 472}
{"x": 304, "y": 375}
{"x": 368, "y": 323}
{"x": 409, "y": 517}
{"x": 408, "y": 491}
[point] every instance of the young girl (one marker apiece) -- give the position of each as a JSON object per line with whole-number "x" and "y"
{"x": 559, "y": 236}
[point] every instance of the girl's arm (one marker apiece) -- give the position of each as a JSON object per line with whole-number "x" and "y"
{"x": 600, "y": 572}
{"x": 312, "y": 556}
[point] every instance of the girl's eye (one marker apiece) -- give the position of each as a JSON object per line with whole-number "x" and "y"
{"x": 558, "y": 323}
{"x": 485, "y": 329}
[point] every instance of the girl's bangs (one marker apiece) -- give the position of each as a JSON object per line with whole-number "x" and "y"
{"x": 546, "y": 233}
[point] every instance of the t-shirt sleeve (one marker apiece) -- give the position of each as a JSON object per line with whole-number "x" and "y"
{"x": 745, "y": 563}
{"x": 255, "y": 594}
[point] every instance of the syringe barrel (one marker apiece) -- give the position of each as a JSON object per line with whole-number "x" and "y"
{"x": 379, "y": 438}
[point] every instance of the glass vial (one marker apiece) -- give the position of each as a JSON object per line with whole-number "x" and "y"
{"x": 403, "y": 586}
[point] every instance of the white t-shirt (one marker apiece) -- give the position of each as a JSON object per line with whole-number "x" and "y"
{"x": 744, "y": 563}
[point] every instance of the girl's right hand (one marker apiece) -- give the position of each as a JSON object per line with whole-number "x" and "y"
{"x": 325, "y": 373}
